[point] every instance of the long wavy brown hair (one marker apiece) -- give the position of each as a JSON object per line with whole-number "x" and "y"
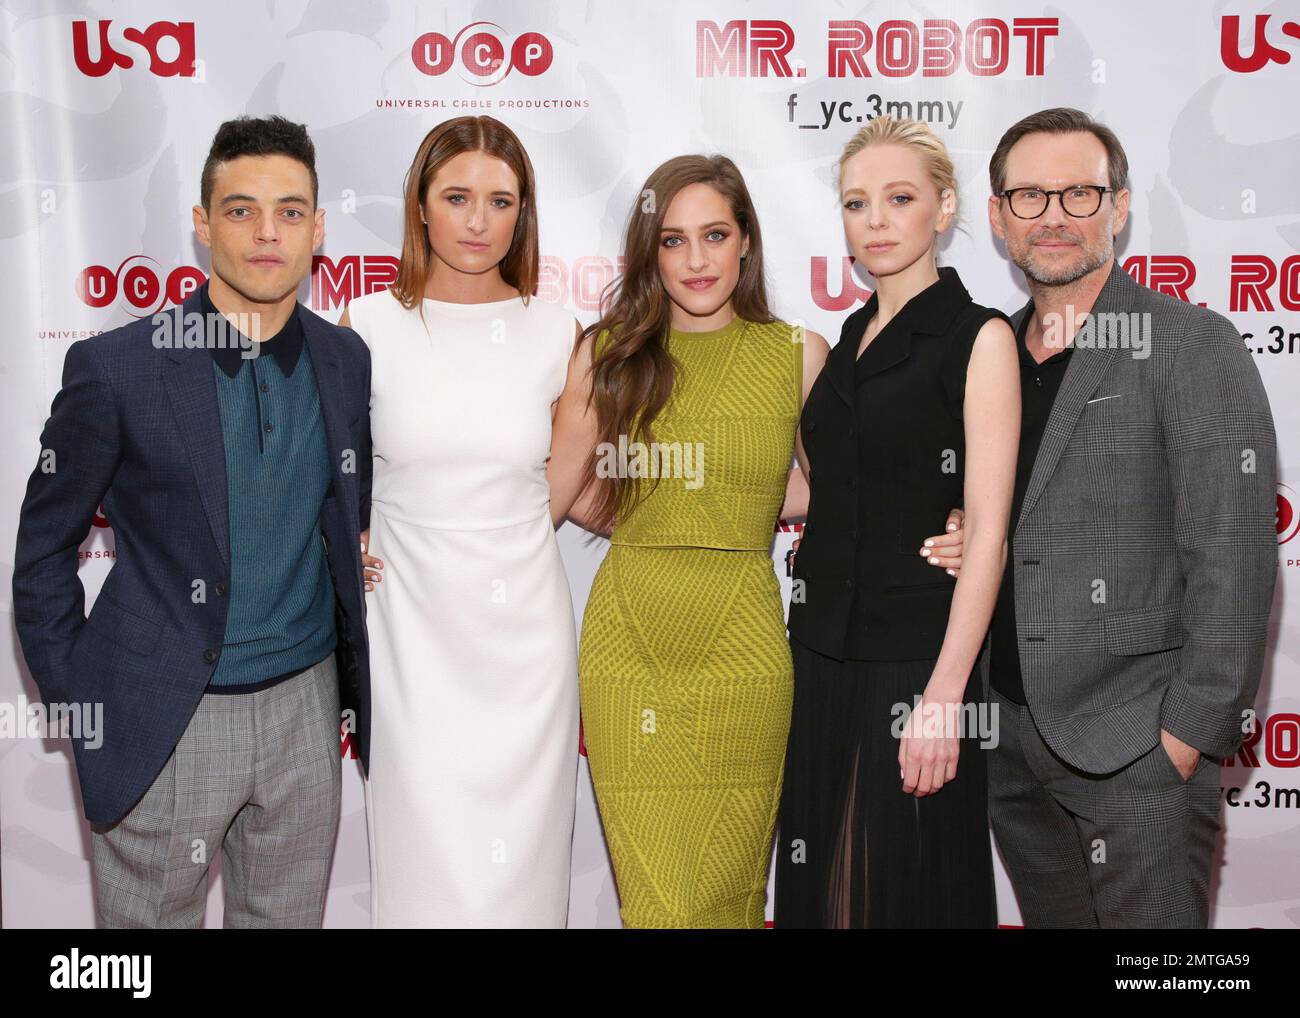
{"x": 632, "y": 378}
{"x": 447, "y": 140}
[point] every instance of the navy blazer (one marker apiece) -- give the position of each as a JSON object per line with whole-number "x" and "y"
{"x": 137, "y": 427}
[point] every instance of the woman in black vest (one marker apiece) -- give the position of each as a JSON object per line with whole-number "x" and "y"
{"x": 883, "y": 818}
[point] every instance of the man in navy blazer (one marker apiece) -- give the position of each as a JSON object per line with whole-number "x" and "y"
{"x": 229, "y": 442}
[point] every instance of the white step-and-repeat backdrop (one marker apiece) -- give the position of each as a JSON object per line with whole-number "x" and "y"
{"x": 107, "y": 111}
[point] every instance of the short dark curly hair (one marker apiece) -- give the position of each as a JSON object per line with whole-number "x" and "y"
{"x": 258, "y": 136}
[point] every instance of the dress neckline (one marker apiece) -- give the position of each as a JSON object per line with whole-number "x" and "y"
{"x": 457, "y": 306}
{"x": 726, "y": 330}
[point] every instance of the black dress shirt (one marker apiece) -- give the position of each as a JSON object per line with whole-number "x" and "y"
{"x": 1039, "y": 384}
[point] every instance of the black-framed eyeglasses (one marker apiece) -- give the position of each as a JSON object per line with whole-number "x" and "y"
{"x": 1078, "y": 200}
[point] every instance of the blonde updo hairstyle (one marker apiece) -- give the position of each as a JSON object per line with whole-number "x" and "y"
{"x": 913, "y": 134}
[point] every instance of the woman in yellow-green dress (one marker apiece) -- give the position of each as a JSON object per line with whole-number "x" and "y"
{"x": 684, "y": 665}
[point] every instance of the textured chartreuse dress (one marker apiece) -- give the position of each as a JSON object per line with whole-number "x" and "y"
{"x": 685, "y": 669}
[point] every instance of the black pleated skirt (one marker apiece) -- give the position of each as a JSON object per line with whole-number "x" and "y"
{"x": 853, "y": 849}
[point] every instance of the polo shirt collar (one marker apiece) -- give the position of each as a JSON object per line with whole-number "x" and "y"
{"x": 285, "y": 346}
{"x": 1026, "y": 359}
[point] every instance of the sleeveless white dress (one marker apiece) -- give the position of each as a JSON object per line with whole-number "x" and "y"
{"x": 473, "y": 661}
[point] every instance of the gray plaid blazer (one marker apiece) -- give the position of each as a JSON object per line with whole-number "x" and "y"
{"x": 1146, "y": 548}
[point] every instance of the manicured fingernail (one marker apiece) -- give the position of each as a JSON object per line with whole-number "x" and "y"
{"x": 929, "y": 544}
{"x": 952, "y": 526}
{"x": 950, "y": 572}
{"x": 934, "y": 561}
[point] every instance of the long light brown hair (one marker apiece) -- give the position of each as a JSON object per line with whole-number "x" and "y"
{"x": 444, "y": 142}
{"x": 632, "y": 378}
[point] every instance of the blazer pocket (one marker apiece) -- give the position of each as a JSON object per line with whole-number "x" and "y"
{"x": 1123, "y": 409}
{"x": 1144, "y": 630}
{"x": 124, "y": 627}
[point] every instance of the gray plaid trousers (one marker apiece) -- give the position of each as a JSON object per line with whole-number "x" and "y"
{"x": 257, "y": 775}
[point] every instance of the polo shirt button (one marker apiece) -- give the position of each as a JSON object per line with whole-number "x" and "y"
{"x": 209, "y": 655}
{"x": 221, "y": 590}
{"x": 269, "y": 427}
{"x": 265, "y": 387}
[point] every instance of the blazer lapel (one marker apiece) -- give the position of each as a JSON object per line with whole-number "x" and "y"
{"x": 1087, "y": 365}
{"x": 841, "y": 362}
{"x": 192, "y": 389}
{"x": 329, "y": 386}
{"x": 897, "y": 348}
{"x": 929, "y": 312}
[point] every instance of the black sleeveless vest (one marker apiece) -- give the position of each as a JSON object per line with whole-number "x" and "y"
{"x": 886, "y": 452}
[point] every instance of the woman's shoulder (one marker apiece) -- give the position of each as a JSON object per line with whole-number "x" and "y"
{"x": 971, "y": 321}
{"x": 544, "y": 311}
{"x": 376, "y": 305}
{"x": 547, "y": 318}
{"x": 787, "y": 339}
{"x": 981, "y": 313}
{"x": 970, "y": 312}
{"x": 382, "y": 298}
{"x": 778, "y": 329}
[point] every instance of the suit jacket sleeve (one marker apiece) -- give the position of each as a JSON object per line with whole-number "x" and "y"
{"x": 80, "y": 452}
{"x": 1222, "y": 455}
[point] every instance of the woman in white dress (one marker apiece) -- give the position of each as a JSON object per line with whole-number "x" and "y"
{"x": 474, "y": 738}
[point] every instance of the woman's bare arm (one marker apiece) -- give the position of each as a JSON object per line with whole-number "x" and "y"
{"x": 992, "y": 422}
{"x": 582, "y": 512}
{"x": 795, "y": 506}
{"x": 573, "y": 431}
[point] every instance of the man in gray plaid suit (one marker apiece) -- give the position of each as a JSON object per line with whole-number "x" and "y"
{"x": 1130, "y": 630}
